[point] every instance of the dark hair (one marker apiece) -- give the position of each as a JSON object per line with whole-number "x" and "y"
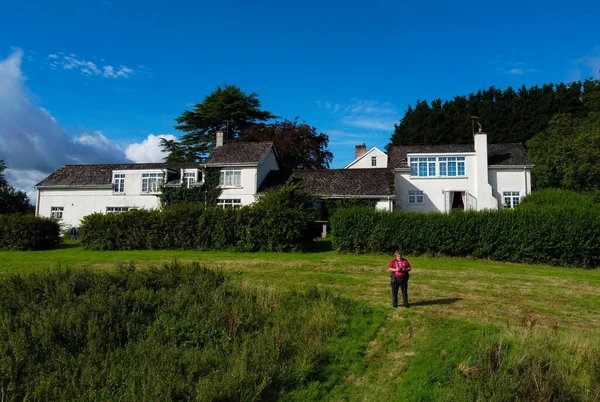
{"x": 398, "y": 252}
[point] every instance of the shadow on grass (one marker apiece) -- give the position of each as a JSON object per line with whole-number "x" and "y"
{"x": 69, "y": 244}
{"x": 436, "y": 301}
{"x": 321, "y": 245}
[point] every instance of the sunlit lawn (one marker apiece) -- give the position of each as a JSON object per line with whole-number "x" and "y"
{"x": 450, "y": 290}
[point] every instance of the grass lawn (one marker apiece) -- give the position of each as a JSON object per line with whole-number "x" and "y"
{"x": 453, "y": 301}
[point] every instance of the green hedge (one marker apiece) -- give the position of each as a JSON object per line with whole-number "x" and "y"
{"x": 28, "y": 232}
{"x": 552, "y": 236}
{"x": 281, "y": 220}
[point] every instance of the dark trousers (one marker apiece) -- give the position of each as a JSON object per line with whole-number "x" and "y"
{"x": 402, "y": 284}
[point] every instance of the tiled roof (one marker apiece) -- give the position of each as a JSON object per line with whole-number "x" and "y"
{"x": 97, "y": 175}
{"x": 498, "y": 154}
{"x": 363, "y": 182}
{"x": 233, "y": 153}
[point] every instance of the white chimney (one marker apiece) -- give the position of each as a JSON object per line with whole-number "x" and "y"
{"x": 485, "y": 199}
{"x": 219, "y": 142}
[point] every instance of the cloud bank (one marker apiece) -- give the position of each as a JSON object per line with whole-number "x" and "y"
{"x": 33, "y": 144}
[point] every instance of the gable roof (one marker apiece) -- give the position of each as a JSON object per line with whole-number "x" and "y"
{"x": 100, "y": 175}
{"x": 238, "y": 153}
{"x": 363, "y": 156}
{"x": 347, "y": 182}
{"x": 498, "y": 154}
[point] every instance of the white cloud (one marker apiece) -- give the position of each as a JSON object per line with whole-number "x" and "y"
{"x": 72, "y": 62}
{"x": 32, "y": 143}
{"x": 363, "y": 114}
{"x": 148, "y": 150}
{"x": 515, "y": 71}
{"x": 586, "y": 66}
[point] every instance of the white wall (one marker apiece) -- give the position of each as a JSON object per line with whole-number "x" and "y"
{"x": 384, "y": 204}
{"x": 433, "y": 197}
{"x": 247, "y": 192}
{"x": 364, "y": 162}
{"x": 510, "y": 179}
{"x": 78, "y": 203}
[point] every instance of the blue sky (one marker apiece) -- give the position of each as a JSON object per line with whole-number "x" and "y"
{"x": 109, "y": 73}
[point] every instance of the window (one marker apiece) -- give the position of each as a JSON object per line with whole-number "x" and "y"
{"x": 373, "y": 161}
{"x": 511, "y": 199}
{"x": 230, "y": 178}
{"x": 415, "y": 197}
{"x": 151, "y": 182}
{"x": 429, "y": 167}
{"x": 56, "y": 212}
{"x": 118, "y": 210}
{"x": 229, "y": 203}
{"x": 189, "y": 178}
{"x": 119, "y": 183}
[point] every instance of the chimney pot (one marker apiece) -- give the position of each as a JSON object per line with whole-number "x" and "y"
{"x": 360, "y": 150}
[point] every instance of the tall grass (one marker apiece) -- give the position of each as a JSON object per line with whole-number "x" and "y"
{"x": 178, "y": 332}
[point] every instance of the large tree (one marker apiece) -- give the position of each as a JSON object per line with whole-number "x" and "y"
{"x": 298, "y": 145}
{"x": 566, "y": 153}
{"x": 11, "y": 200}
{"x": 227, "y": 109}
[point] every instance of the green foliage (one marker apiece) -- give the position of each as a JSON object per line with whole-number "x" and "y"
{"x": 28, "y": 232}
{"x": 554, "y": 197}
{"x": 180, "y": 332}
{"x": 331, "y": 205}
{"x": 557, "y": 236}
{"x": 206, "y": 194}
{"x": 506, "y": 115}
{"x": 12, "y": 201}
{"x": 459, "y": 361}
{"x": 227, "y": 109}
{"x": 281, "y": 220}
{"x": 565, "y": 154}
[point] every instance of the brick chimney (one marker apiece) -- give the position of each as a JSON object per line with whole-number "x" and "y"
{"x": 219, "y": 142}
{"x": 360, "y": 150}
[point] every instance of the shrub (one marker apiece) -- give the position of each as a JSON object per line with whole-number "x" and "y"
{"x": 555, "y": 236}
{"x": 175, "y": 333}
{"x": 28, "y": 232}
{"x": 281, "y": 220}
{"x": 554, "y": 197}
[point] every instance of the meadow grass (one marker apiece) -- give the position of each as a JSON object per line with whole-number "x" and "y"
{"x": 460, "y": 309}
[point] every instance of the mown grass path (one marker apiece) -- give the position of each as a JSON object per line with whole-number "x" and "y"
{"x": 444, "y": 292}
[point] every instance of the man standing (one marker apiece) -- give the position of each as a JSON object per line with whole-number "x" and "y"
{"x": 399, "y": 268}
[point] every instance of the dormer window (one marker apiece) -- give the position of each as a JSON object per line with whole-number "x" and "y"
{"x": 447, "y": 166}
{"x": 373, "y": 161}
{"x": 151, "y": 182}
{"x": 119, "y": 183}
{"x": 189, "y": 178}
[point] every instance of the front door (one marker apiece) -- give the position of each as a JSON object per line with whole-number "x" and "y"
{"x": 455, "y": 200}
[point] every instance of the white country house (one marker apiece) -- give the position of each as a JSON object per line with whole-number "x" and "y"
{"x": 74, "y": 191}
{"x": 363, "y": 159}
{"x": 478, "y": 176}
{"x": 415, "y": 178}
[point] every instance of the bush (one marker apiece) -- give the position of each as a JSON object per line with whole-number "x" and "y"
{"x": 175, "y": 333}
{"x": 28, "y": 232}
{"x": 281, "y": 220}
{"x": 556, "y": 236}
{"x": 554, "y": 197}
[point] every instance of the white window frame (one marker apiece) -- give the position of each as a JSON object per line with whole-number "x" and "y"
{"x": 373, "y": 161}
{"x": 151, "y": 181}
{"x": 511, "y": 199}
{"x": 416, "y": 197}
{"x": 57, "y": 212}
{"x": 230, "y": 178}
{"x": 119, "y": 183}
{"x": 229, "y": 203}
{"x": 189, "y": 178}
{"x": 437, "y": 166}
{"x": 118, "y": 210}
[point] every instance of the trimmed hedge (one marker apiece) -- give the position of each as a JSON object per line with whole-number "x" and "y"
{"x": 550, "y": 236}
{"x": 28, "y": 232}
{"x": 282, "y": 220}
